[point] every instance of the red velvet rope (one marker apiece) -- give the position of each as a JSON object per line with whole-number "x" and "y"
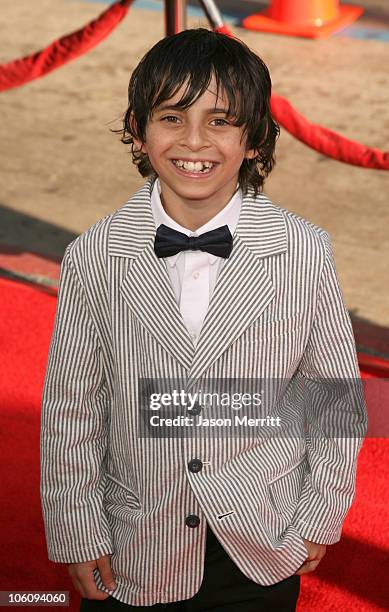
{"x": 61, "y": 51}
{"x": 326, "y": 141}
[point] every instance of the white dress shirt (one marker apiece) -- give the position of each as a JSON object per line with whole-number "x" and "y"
{"x": 193, "y": 274}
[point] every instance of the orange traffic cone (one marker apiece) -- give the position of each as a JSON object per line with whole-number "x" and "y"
{"x": 309, "y": 18}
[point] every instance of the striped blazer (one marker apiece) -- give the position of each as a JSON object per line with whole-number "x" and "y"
{"x": 277, "y": 314}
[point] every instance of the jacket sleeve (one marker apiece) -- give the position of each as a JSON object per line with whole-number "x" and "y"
{"x": 335, "y": 413}
{"x": 73, "y": 435}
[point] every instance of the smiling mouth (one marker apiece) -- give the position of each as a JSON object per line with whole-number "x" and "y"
{"x": 194, "y": 167}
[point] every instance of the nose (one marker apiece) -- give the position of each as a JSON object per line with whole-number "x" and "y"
{"x": 195, "y": 137}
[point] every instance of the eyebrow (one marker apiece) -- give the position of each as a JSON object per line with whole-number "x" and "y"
{"x": 208, "y": 110}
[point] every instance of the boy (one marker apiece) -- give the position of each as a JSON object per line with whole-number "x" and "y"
{"x": 199, "y": 277}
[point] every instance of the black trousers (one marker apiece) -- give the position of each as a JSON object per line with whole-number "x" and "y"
{"x": 224, "y": 589}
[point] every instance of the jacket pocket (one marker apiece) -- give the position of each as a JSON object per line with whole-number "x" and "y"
{"x": 266, "y": 329}
{"x": 118, "y": 497}
{"x": 284, "y": 490}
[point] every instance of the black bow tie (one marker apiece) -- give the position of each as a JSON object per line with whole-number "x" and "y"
{"x": 170, "y": 242}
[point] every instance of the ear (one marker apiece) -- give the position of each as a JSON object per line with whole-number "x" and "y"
{"x": 251, "y": 153}
{"x": 140, "y": 146}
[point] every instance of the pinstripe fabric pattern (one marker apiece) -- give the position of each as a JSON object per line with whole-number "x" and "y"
{"x": 276, "y": 312}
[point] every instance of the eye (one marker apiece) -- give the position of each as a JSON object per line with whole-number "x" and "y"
{"x": 169, "y": 117}
{"x": 223, "y": 120}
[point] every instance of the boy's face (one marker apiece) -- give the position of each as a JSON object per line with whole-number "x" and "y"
{"x": 195, "y": 134}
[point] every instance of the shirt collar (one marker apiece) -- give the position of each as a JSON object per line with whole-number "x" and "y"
{"x": 229, "y": 215}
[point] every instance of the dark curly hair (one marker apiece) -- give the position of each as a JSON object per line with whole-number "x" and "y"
{"x": 194, "y": 56}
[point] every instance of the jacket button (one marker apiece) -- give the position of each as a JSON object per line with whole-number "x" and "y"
{"x": 195, "y": 465}
{"x": 192, "y": 520}
{"x": 196, "y": 409}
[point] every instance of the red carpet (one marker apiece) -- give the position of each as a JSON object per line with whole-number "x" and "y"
{"x": 352, "y": 576}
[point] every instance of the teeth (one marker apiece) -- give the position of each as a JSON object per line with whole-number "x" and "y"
{"x": 194, "y": 166}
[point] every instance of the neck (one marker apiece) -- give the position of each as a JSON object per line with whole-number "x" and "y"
{"x": 194, "y": 213}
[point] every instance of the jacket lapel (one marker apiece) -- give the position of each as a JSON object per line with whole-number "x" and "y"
{"x": 148, "y": 292}
{"x": 242, "y": 292}
{"x": 147, "y": 288}
{"x": 243, "y": 289}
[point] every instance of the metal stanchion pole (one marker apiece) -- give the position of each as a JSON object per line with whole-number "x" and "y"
{"x": 175, "y": 16}
{"x": 212, "y": 12}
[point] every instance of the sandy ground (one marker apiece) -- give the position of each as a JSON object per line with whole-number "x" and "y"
{"x": 62, "y": 168}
